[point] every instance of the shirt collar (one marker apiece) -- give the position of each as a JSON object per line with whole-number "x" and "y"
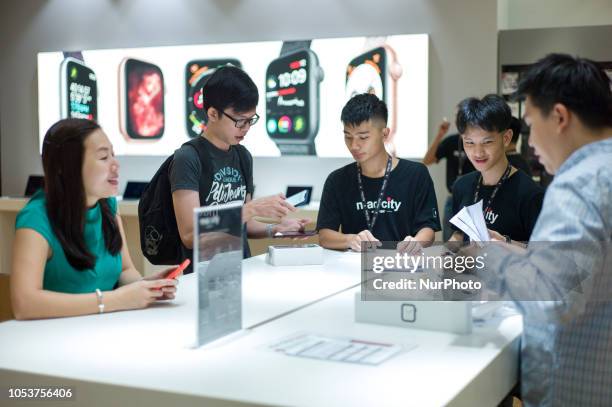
{"x": 588, "y": 150}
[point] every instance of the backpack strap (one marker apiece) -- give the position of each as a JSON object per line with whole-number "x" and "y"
{"x": 203, "y": 153}
{"x": 243, "y": 159}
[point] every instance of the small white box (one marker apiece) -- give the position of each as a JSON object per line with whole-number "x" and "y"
{"x": 446, "y": 316}
{"x": 295, "y": 255}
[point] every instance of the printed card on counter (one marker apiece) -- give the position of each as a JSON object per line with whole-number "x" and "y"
{"x": 348, "y": 350}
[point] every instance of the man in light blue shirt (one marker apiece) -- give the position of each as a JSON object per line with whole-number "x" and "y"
{"x": 566, "y": 272}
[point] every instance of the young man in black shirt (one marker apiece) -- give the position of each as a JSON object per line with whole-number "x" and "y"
{"x": 511, "y": 200}
{"x": 514, "y": 157}
{"x": 376, "y": 198}
{"x": 230, "y": 103}
{"x": 457, "y": 164}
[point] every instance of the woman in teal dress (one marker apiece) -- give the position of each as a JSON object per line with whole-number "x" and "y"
{"x": 70, "y": 256}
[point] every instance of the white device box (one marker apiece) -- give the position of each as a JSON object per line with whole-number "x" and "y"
{"x": 447, "y": 316}
{"x": 295, "y": 255}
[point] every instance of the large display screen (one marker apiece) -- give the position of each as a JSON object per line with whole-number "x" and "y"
{"x": 142, "y": 99}
{"x": 197, "y": 73}
{"x": 366, "y": 73}
{"x": 148, "y": 100}
{"x": 288, "y": 96}
{"x": 78, "y": 90}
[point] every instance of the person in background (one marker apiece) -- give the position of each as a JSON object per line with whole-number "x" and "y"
{"x": 70, "y": 252}
{"x": 514, "y": 156}
{"x": 457, "y": 164}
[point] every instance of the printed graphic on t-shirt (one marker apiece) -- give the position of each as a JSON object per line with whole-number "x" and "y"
{"x": 227, "y": 186}
{"x": 388, "y": 205}
{"x": 490, "y": 216}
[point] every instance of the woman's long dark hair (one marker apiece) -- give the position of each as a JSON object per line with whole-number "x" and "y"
{"x": 62, "y": 158}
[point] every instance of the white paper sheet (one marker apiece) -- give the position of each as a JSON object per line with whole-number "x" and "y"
{"x": 470, "y": 221}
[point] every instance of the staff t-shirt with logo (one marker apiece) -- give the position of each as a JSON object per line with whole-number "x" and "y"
{"x": 224, "y": 179}
{"x": 515, "y": 208}
{"x": 408, "y": 204}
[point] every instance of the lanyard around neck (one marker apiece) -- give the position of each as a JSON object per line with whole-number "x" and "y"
{"x": 503, "y": 178}
{"x": 370, "y": 222}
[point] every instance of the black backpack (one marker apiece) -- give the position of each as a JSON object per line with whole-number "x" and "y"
{"x": 159, "y": 236}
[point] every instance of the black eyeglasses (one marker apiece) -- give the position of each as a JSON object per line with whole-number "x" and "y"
{"x": 241, "y": 123}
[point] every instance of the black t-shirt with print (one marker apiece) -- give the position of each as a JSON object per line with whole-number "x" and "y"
{"x": 408, "y": 204}
{"x": 515, "y": 208}
{"x": 223, "y": 179}
{"x": 455, "y": 158}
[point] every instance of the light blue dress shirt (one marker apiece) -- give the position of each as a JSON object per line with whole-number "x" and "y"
{"x": 566, "y": 347}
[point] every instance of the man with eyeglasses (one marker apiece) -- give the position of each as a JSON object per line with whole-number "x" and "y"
{"x": 230, "y": 101}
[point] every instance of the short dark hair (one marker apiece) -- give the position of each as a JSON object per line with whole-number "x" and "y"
{"x": 491, "y": 113}
{"x": 62, "y": 158}
{"x": 363, "y": 107}
{"x": 515, "y": 125}
{"x": 577, "y": 83}
{"x": 230, "y": 87}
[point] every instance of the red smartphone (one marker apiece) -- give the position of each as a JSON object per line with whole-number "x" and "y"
{"x": 175, "y": 273}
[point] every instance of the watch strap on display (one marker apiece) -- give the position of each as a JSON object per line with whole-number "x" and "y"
{"x": 394, "y": 70}
{"x": 290, "y": 47}
{"x": 74, "y": 54}
{"x": 298, "y": 149}
{"x": 374, "y": 42}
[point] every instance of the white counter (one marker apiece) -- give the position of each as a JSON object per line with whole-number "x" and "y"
{"x": 147, "y": 357}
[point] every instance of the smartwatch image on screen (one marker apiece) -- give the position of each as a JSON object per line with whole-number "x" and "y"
{"x": 292, "y": 99}
{"x": 141, "y": 100}
{"x": 376, "y": 71}
{"x": 197, "y": 73}
{"x": 78, "y": 90}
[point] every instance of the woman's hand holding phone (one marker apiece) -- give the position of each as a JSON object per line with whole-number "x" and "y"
{"x": 170, "y": 277}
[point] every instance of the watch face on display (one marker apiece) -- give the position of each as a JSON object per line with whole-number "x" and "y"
{"x": 197, "y": 72}
{"x": 366, "y": 74}
{"x": 291, "y": 96}
{"x": 78, "y": 91}
{"x": 142, "y": 96}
